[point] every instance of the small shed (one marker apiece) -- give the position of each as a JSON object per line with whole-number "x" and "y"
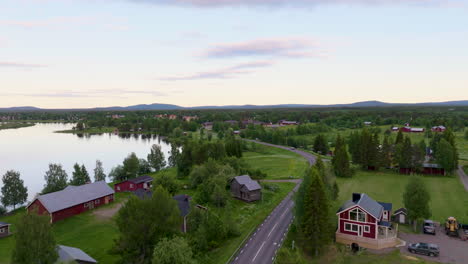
{"x": 142, "y": 182}
{"x": 73, "y": 255}
{"x": 246, "y": 189}
{"x": 4, "y": 229}
{"x": 400, "y": 216}
{"x": 183, "y": 202}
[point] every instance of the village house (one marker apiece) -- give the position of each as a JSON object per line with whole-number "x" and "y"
{"x": 208, "y": 125}
{"x": 246, "y": 189}
{"x": 366, "y": 223}
{"x": 438, "y": 129}
{"x": 117, "y": 116}
{"x": 72, "y": 200}
{"x": 73, "y": 255}
{"x": 287, "y": 123}
{"x": 183, "y": 202}
{"x": 189, "y": 118}
{"x": 432, "y": 169}
{"x": 367, "y": 123}
{"x": 4, "y": 229}
{"x": 231, "y": 122}
{"x": 400, "y": 216}
{"x": 160, "y": 116}
{"x": 408, "y": 129}
{"x": 172, "y": 117}
{"x": 395, "y": 129}
{"x": 143, "y": 182}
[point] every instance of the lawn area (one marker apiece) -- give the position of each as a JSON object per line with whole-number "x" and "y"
{"x": 94, "y": 236}
{"x": 249, "y": 216}
{"x": 276, "y": 163}
{"x": 448, "y": 197}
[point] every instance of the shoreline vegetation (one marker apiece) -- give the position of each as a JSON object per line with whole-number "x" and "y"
{"x": 15, "y": 125}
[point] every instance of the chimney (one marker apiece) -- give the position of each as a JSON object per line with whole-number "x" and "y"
{"x": 356, "y": 197}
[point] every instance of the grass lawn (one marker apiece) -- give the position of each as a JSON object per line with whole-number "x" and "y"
{"x": 448, "y": 197}
{"x": 276, "y": 163}
{"x": 249, "y": 216}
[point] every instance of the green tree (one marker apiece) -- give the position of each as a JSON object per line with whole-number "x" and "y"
{"x": 466, "y": 134}
{"x": 386, "y": 154}
{"x": 131, "y": 166}
{"x": 80, "y": 175}
{"x": 99, "y": 174}
{"x": 174, "y": 155}
{"x": 141, "y": 223}
{"x": 13, "y": 190}
{"x": 340, "y": 161}
{"x": 156, "y": 158}
{"x": 34, "y": 241}
{"x": 320, "y": 144}
{"x": 167, "y": 181}
{"x": 56, "y": 179}
{"x": 445, "y": 156}
{"x": 399, "y": 137}
{"x": 416, "y": 199}
{"x": 403, "y": 154}
{"x": 173, "y": 251}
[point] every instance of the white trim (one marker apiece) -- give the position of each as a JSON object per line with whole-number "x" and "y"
{"x": 368, "y": 229}
{"x": 357, "y": 215}
{"x": 359, "y": 208}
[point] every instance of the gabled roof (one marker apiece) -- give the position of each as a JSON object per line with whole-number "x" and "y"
{"x": 74, "y": 195}
{"x": 250, "y": 184}
{"x": 4, "y": 224}
{"x": 73, "y": 254}
{"x": 144, "y": 178}
{"x": 401, "y": 211}
{"x": 386, "y": 206}
{"x": 183, "y": 201}
{"x": 431, "y": 165}
{"x": 143, "y": 194}
{"x": 365, "y": 202}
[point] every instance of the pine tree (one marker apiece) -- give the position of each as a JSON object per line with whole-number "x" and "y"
{"x": 386, "y": 153}
{"x": 80, "y": 175}
{"x": 34, "y": 241}
{"x": 56, "y": 179}
{"x": 320, "y": 144}
{"x": 99, "y": 174}
{"x": 399, "y": 137}
{"x": 174, "y": 155}
{"x": 85, "y": 174}
{"x": 340, "y": 161}
{"x": 13, "y": 190}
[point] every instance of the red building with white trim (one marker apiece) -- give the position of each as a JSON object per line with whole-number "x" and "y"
{"x": 143, "y": 182}
{"x": 365, "y": 222}
{"x": 72, "y": 200}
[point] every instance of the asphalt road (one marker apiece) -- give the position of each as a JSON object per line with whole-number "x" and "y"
{"x": 262, "y": 245}
{"x": 463, "y": 177}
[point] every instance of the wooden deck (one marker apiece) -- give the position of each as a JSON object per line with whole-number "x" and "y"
{"x": 381, "y": 242}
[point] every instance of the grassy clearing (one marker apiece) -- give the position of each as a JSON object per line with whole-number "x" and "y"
{"x": 13, "y": 125}
{"x": 448, "y": 197}
{"x": 276, "y": 163}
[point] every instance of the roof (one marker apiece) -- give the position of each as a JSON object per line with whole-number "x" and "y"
{"x": 250, "y": 184}
{"x": 386, "y": 206}
{"x": 417, "y": 129}
{"x": 144, "y": 178}
{"x": 143, "y": 194}
{"x": 74, "y": 195}
{"x": 4, "y": 224}
{"x": 431, "y": 165}
{"x": 385, "y": 223}
{"x": 70, "y": 253}
{"x": 365, "y": 202}
{"x": 401, "y": 211}
{"x": 183, "y": 201}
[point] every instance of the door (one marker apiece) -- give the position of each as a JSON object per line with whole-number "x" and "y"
{"x": 106, "y": 200}
{"x": 360, "y": 230}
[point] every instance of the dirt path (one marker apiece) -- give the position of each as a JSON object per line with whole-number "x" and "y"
{"x": 108, "y": 212}
{"x": 463, "y": 177}
{"x": 293, "y": 180}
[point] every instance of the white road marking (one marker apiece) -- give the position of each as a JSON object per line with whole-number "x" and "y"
{"x": 258, "y": 251}
{"x": 272, "y": 230}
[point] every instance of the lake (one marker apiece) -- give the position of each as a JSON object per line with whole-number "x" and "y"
{"x": 29, "y": 150}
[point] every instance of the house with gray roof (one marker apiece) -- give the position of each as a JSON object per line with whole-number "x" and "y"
{"x": 183, "y": 202}
{"x": 365, "y": 222}
{"x": 73, "y": 255}
{"x": 246, "y": 189}
{"x": 72, "y": 200}
{"x": 4, "y": 229}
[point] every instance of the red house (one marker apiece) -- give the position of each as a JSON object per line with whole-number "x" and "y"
{"x": 433, "y": 169}
{"x": 438, "y": 129}
{"x": 143, "y": 182}
{"x": 72, "y": 200}
{"x": 366, "y": 223}
{"x": 287, "y": 123}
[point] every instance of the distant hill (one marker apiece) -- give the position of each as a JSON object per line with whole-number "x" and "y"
{"x": 157, "y": 106}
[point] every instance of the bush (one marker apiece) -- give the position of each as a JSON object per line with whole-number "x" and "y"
{"x": 270, "y": 187}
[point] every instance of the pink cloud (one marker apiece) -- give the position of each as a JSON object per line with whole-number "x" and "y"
{"x": 224, "y": 73}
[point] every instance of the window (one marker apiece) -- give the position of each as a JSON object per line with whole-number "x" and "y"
{"x": 118, "y": 188}
{"x": 85, "y": 205}
{"x": 354, "y": 228}
{"x": 367, "y": 229}
{"x": 357, "y": 215}
{"x": 347, "y": 227}
{"x": 97, "y": 201}
{"x": 2, "y": 230}
{"x": 131, "y": 185}
{"x": 351, "y": 227}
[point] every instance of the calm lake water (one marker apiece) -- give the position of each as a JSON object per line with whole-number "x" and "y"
{"x": 29, "y": 150}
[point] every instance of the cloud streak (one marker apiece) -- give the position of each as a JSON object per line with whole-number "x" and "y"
{"x": 9, "y": 64}
{"x": 111, "y": 93}
{"x": 224, "y": 73}
{"x": 293, "y": 3}
{"x": 288, "y": 47}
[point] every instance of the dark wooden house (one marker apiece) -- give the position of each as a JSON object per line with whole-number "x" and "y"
{"x": 4, "y": 229}
{"x": 246, "y": 189}
{"x": 433, "y": 169}
{"x": 183, "y": 202}
{"x": 143, "y": 182}
{"x": 72, "y": 200}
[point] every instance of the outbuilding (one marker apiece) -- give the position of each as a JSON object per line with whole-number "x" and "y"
{"x": 183, "y": 202}
{"x": 143, "y": 182}
{"x": 400, "y": 216}
{"x": 4, "y": 229}
{"x": 73, "y": 255}
{"x": 72, "y": 200}
{"x": 246, "y": 189}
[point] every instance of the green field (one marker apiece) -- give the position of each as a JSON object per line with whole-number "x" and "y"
{"x": 13, "y": 125}
{"x": 276, "y": 163}
{"x": 448, "y": 197}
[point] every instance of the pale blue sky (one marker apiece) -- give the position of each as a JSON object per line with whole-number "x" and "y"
{"x": 86, "y": 53}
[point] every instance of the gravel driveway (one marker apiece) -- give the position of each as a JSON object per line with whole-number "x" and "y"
{"x": 452, "y": 250}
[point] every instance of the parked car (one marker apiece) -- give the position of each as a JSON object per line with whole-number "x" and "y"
{"x": 431, "y": 250}
{"x": 292, "y": 148}
{"x": 429, "y": 227}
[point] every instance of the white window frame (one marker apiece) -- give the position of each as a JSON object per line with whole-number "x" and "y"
{"x": 366, "y": 229}
{"x": 131, "y": 185}
{"x": 97, "y": 201}
{"x": 85, "y": 205}
{"x": 2, "y": 230}
{"x": 358, "y": 212}
{"x": 352, "y": 226}
{"x": 118, "y": 188}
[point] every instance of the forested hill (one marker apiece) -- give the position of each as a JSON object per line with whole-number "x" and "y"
{"x": 157, "y": 106}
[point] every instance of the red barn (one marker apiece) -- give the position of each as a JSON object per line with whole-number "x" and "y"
{"x": 438, "y": 129}
{"x": 433, "y": 169}
{"x": 287, "y": 123}
{"x": 72, "y": 200}
{"x": 365, "y": 222}
{"x": 143, "y": 182}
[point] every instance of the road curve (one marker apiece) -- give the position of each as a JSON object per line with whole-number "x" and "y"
{"x": 264, "y": 242}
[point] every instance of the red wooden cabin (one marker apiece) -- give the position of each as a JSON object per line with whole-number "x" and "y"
{"x": 130, "y": 185}
{"x": 72, "y": 200}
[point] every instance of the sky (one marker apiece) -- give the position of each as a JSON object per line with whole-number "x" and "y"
{"x": 90, "y": 53}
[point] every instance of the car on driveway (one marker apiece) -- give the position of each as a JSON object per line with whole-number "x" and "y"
{"x": 429, "y": 227}
{"x": 431, "y": 250}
